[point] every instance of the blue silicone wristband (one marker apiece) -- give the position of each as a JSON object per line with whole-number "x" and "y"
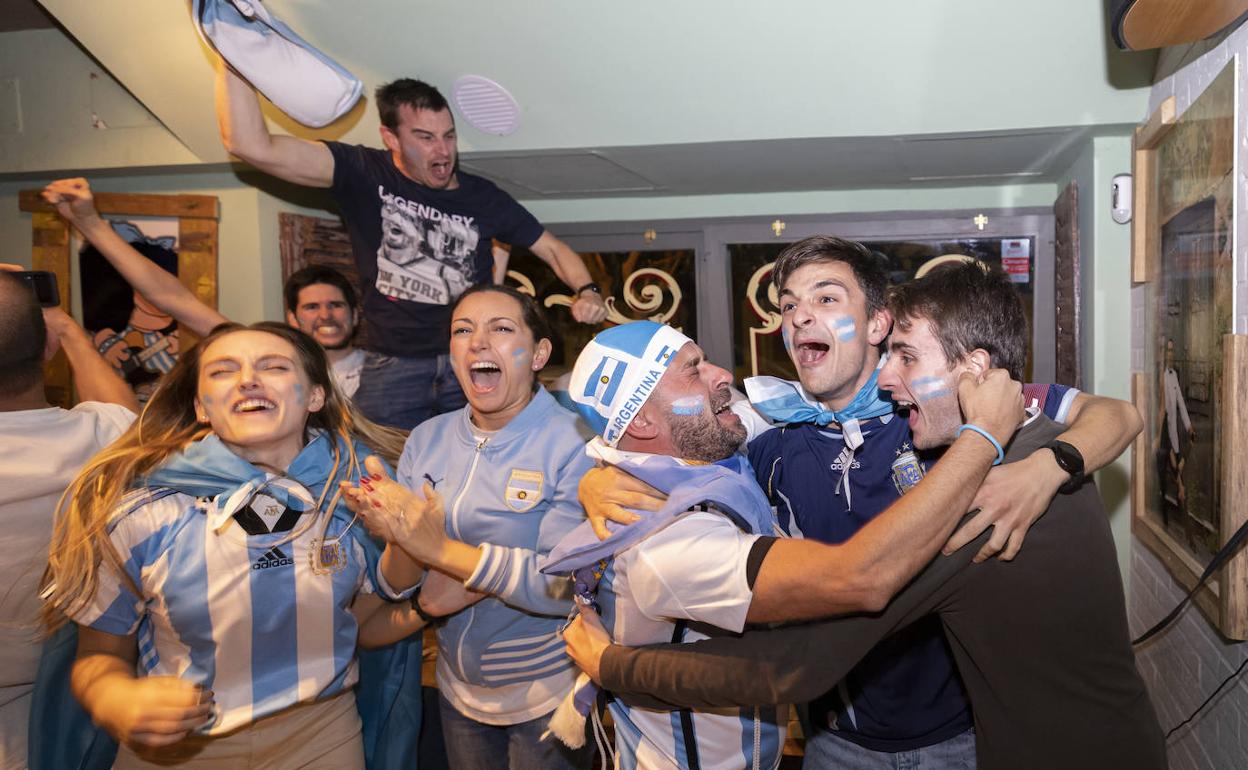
{"x": 995, "y": 444}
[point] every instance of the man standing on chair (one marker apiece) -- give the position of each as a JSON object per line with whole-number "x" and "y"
{"x": 420, "y": 229}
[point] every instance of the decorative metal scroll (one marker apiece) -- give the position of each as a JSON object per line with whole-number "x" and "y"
{"x": 648, "y": 301}
{"x": 766, "y": 308}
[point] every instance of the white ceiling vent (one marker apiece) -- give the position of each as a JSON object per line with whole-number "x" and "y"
{"x": 486, "y": 105}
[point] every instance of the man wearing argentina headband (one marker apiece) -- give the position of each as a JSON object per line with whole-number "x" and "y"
{"x": 841, "y": 455}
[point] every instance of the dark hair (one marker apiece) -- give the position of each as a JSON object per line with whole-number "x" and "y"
{"x": 868, "y": 267}
{"x": 416, "y": 94}
{"x": 110, "y": 301}
{"x": 312, "y": 275}
{"x": 969, "y": 306}
{"x": 530, "y": 312}
{"x": 23, "y": 336}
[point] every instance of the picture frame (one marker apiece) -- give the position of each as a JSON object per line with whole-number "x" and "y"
{"x": 1187, "y": 498}
{"x": 197, "y": 219}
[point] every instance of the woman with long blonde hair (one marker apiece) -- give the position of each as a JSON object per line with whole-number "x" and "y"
{"x": 208, "y": 549}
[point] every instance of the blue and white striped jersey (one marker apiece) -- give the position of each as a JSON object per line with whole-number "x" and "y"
{"x": 247, "y": 616}
{"x": 694, "y": 569}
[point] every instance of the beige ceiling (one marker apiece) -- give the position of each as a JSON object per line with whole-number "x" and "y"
{"x": 23, "y": 14}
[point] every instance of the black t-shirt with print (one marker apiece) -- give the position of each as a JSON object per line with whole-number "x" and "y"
{"x": 416, "y": 248}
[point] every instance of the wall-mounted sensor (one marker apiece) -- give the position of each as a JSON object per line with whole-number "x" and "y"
{"x": 1120, "y": 199}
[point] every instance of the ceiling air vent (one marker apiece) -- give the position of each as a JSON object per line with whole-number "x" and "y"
{"x": 486, "y": 105}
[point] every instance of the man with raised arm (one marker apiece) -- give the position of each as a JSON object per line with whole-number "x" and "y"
{"x": 319, "y": 300}
{"x": 1041, "y": 641}
{"x": 421, "y": 233}
{"x": 42, "y": 448}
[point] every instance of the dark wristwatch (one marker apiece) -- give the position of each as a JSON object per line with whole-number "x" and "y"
{"x": 591, "y": 286}
{"x": 1070, "y": 460}
{"x": 425, "y": 616}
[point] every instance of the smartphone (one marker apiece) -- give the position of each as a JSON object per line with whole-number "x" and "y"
{"x": 43, "y": 284}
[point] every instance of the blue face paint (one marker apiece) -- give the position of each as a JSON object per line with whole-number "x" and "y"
{"x": 689, "y": 405}
{"x": 518, "y": 353}
{"x": 844, "y": 328}
{"x": 299, "y": 394}
{"x": 788, "y": 341}
{"x": 928, "y": 388}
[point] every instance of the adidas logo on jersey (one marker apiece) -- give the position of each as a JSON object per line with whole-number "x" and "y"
{"x": 272, "y": 558}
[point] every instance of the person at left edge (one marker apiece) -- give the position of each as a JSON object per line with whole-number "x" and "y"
{"x": 421, "y": 233}
{"x": 207, "y": 550}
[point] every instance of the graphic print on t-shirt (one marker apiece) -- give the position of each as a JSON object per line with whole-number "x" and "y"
{"x": 425, "y": 255}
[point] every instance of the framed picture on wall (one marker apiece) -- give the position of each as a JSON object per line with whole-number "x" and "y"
{"x": 178, "y": 232}
{"x": 1187, "y": 495}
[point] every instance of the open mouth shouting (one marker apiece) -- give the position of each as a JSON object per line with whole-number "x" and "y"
{"x": 485, "y": 376}
{"x": 719, "y": 407}
{"x": 253, "y": 405}
{"x": 441, "y": 170}
{"x": 810, "y": 352}
{"x": 910, "y": 409}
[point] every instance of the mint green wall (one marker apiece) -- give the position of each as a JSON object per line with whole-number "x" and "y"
{"x": 791, "y": 203}
{"x": 1106, "y": 270}
{"x": 61, "y": 92}
{"x": 651, "y": 72}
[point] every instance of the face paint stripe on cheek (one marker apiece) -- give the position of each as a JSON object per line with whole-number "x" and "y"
{"x": 844, "y": 329}
{"x": 689, "y": 405}
{"x": 927, "y": 388}
{"x": 787, "y": 338}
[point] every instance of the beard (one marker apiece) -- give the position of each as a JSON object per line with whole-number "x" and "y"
{"x": 702, "y": 437}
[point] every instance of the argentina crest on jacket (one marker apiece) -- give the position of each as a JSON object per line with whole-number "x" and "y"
{"x": 907, "y": 470}
{"x": 524, "y": 490}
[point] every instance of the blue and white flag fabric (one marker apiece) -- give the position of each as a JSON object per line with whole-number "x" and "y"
{"x": 301, "y": 81}
{"x": 618, "y": 370}
{"x": 729, "y": 486}
{"x": 788, "y": 402}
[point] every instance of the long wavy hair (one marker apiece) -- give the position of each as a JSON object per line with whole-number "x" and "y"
{"x": 167, "y": 425}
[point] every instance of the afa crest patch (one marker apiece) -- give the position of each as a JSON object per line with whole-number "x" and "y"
{"x": 907, "y": 472}
{"x": 524, "y": 490}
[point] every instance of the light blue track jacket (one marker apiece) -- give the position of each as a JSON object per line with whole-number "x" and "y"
{"x": 514, "y": 494}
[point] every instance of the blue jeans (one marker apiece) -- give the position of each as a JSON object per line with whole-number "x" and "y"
{"x": 473, "y": 745}
{"x": 827, "y": 751}
{"x": 404, "y": 392}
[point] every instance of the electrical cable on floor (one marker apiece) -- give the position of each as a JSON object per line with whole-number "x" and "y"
{"x": 1212, "y": 695}
{"x": 1223, "y": 555}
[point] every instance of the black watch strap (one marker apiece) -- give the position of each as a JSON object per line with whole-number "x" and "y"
{"x": 425, "y": 616}
{"x": 1070, "y": 460}
{"x": 591, "y": 286}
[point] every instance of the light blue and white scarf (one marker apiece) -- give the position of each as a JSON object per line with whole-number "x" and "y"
{"x": 785, "y": 401}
